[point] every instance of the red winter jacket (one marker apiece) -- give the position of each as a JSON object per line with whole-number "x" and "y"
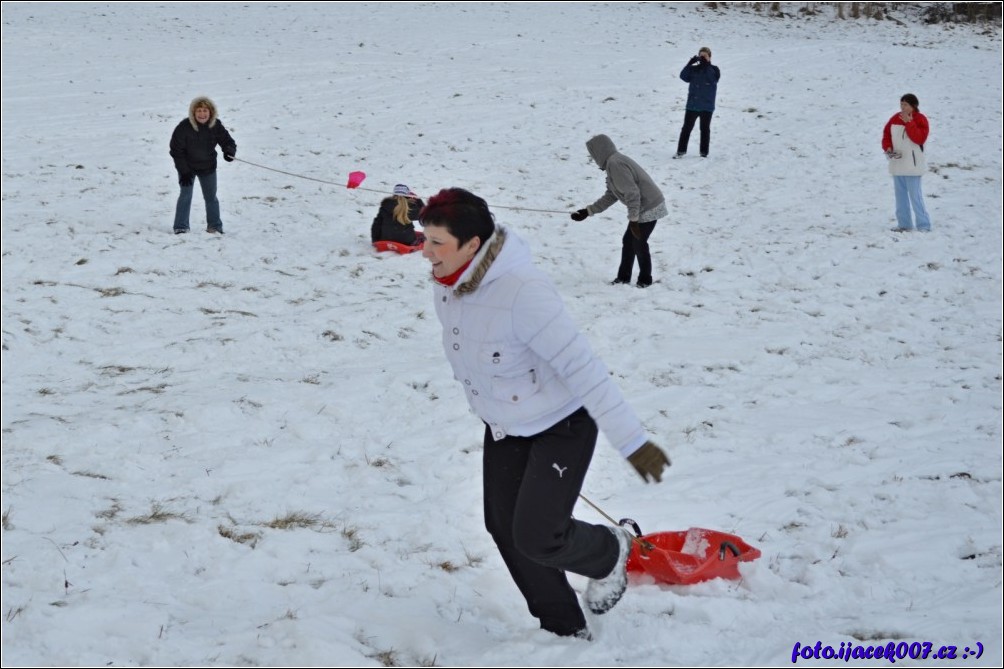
{"x": 907, "y": 141}
{"x": 917, "y": 130}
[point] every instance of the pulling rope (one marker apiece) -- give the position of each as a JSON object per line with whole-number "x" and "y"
{"x": 636, "y": 539}
{"x": 374, "y": 190}
{"x": 300, "y": 176}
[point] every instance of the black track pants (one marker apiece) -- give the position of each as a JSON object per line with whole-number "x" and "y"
{"x": 531, "y": 485}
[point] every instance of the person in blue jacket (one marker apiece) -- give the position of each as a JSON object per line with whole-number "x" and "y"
{"x": 703, "y": 79}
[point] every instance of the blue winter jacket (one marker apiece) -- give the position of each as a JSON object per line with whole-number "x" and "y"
{"x": 703, "y": 79}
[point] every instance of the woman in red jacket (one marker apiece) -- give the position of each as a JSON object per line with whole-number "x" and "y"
{"x": 903, "y": 141}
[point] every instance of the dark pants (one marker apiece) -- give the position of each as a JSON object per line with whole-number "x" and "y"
{"x": 632, "y": 247}
{"x": 531, "y": 485}
{"x": 688, "y": 124}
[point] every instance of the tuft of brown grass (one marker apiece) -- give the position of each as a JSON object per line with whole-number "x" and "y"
{"x": 91, "y": 475}
{"x": 112, "y": 512}
{"x": 157, "y": 515}
{"x": 248, "y": 538}
{"x": 295, "y": 519}
{"x": 351, "y": 534}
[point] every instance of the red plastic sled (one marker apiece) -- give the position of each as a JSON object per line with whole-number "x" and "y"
{"x": 397, "y": 247}
{"x": 683, "y": 558}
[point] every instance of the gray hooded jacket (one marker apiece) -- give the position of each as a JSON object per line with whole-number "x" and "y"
{"x": 627, "y": 182}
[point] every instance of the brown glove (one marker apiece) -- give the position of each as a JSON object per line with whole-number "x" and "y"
{"x": 635, "y": 229}
{"x": 649, "y": 460}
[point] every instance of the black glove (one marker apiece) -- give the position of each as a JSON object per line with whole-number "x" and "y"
{"x": 649, "y": 461}
{"x": 635, "y": 229}
{"x": 186, "y": 178}
{"x": 229, "y": 157}
{"x": 580, "y": 215}
{"x": 694, "y": 60}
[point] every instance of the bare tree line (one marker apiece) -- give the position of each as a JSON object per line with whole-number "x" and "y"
{"x": 930, "y": 12}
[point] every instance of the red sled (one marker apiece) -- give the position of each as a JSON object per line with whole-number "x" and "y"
{"x": 692, "y": 556}
{"x": 397, "y": 247}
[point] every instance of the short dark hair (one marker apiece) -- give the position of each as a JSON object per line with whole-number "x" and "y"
{"x": 462, "y": 213}
{"x": 911, "y": 100}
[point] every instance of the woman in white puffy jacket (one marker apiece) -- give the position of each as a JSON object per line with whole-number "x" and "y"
{"x": 903, "y": 140}
{"x": 532, "y": 378}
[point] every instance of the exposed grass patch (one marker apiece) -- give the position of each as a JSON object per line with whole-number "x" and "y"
{"x": 387, "y": 658}
{"x": 156, "y": 390}
{"x": 247, "y": 538}
{"x": 113, "y": 370}
{"x": 298, "y": 519}
{"x": 448, "y": 566}
{"x": 157, "y": 515}
{"x": 92, "y": 475}
{"x": 473, "y": 560}
{"x": 245, "y": 402}
{"x": 111, "y": 512}
{"x": 351, "y": 534}
{"x": 214, "y": 312}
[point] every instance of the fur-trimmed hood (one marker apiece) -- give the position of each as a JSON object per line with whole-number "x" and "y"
{"x": 522, "y": 362}
{"x": 482, "y": 263}
{"x": 202, "y": 101}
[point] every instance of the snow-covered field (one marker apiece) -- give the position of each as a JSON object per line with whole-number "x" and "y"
{"x": 249, "y": 450}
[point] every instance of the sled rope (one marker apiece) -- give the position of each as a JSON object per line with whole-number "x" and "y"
{"x": 375, "y": 190}
{"x": 299, "y": 176}
{"x": 638, "y": 540}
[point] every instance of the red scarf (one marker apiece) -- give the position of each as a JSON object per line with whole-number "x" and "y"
{"x": 452, "y": 279}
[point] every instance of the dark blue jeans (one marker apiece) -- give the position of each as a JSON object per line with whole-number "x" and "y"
{"x": 208, "y": 184}
{"x": 688, "y": 124}
{"x": 531, "y": 485}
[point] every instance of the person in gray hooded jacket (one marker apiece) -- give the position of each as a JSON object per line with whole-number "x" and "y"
{"x": 627, "y": 182}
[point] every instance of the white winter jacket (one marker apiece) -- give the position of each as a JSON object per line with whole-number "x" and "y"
{"x": 909, "y": 158}
{"x": 523, "y": 363}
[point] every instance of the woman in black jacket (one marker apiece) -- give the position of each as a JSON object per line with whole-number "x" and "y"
{"x": 393, "y": 221}
{"x": 193, "y": 148}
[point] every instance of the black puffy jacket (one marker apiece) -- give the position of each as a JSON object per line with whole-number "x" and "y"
{"x": 194, "y": 147}
{"x": 386, "y": 228}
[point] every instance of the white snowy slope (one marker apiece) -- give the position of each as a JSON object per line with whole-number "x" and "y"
{"x": 249, "y": 449}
